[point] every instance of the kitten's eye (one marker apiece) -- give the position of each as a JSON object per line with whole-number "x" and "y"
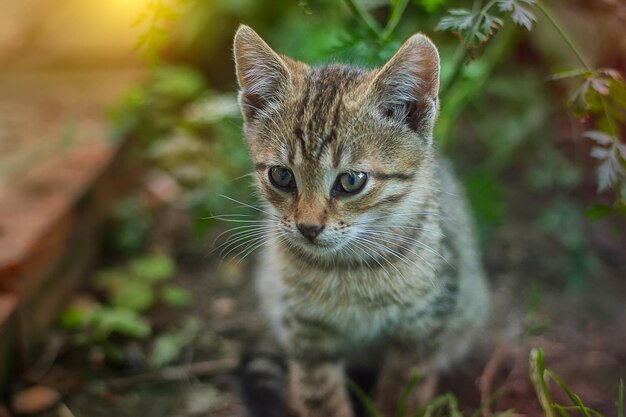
{"x": 350, "y": 183}
{"x": 282, "y": 178}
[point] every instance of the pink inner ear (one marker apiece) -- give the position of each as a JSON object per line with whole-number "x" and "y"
{"x": 412, "y": 73}
{"x": 260, "y": 70}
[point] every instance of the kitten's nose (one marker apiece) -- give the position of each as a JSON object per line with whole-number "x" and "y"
{"x": 310, "y": 231}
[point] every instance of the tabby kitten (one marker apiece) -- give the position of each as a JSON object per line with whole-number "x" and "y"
{"x": 371, "y": 254}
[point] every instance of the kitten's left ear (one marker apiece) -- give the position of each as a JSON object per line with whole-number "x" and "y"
{"x": 407, "y": 86}
{"x": 262, "y": 74}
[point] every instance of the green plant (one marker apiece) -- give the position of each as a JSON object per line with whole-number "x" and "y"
{"x": 189, "y": 132}
{"x": 540, "y": 376}
{"x": 129, "y": 292}
{"x": 446, "y": 405}
{"x": 130, "y": 223}
{"x": 167, "y": 347}
{"x": 599, "y": 96}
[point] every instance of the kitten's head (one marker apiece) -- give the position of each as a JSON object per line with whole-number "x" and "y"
{"x": 340, "y": 152}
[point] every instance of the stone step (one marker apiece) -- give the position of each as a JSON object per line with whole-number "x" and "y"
{"x": 55, "y": 188}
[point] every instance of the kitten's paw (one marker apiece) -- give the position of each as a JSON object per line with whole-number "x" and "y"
{"x": 263, "y": 374}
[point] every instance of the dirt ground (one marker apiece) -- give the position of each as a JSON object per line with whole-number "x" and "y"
{"x": 583, "y": 335}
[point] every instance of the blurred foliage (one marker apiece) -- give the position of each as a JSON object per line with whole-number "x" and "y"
{"x": 155, "y": 20}
{"x": 168, "y": 346}
{"x": 130, "y": 223}
{"x": 191, "y": 133}
{"x": 129, "y": 292}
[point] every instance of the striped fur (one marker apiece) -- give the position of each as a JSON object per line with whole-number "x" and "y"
{"x": 395, "y": 268}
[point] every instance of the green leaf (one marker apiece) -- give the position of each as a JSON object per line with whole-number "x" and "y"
{"x": 175, "y": 296}
{"x": 167, "y": 348}
{"x": 600, "y": 138}
{"x": 119, "y": 320}
{"x": 474, "y": 27}
{"x": 71, "y": 319}
{"x": 134, "y": 295}
{"x": 598, "y": 211}
{"x": 153, "y": 268}
{"x": 520, "y": 14}
{"x": 459, "y": 19}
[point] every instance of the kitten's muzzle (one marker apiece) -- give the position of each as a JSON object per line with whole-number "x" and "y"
{"x": 310, "y": 231}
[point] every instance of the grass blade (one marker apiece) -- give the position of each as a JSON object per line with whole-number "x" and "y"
{"x": 620, "y": 399}
{"x": 573, "y": 397}
{"x": 370, "y": 407}
{"x": 562, "y": 411}
{"x": 448, "y": 400}
{"x": 402, "y": 406}
{"x": 537, "y": 377}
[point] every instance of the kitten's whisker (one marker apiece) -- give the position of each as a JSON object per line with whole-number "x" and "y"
{"x": 413, "y": 241}
{"x": 246, "y": 227}
{"x": 408, "y": 249}
{"x": 349, "y": 246}
{"x": 257, "y": 246}
{"x": 242, "y": 241}
{"x": 248, "y": 205}
{"x": 384, "y": 248}
{"x": 374, "y": 258}
{"x": 391, "y": 252}
{"x": 240, "y": 221}
{"x": 219, "y": 216}
{"x": 377, "y": 228}
{"x": 404, "y": 257}
{"x": 243, "y": 234}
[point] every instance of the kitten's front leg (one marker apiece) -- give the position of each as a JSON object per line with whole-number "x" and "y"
{"x": 316, "y": 373}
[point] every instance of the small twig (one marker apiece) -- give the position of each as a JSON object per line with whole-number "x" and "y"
{"x": 548, "y": 14}
{"x": 501, "y": 352}
{"x": 176, "y": 373}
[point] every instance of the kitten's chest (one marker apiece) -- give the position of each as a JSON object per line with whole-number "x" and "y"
{"x": 361, "y": 306}
{"x": 358, "y": 304}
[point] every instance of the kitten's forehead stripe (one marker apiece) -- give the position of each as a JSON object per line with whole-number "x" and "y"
{"x": 321, "y": 106}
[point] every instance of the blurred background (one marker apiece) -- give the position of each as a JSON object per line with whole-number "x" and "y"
{"x": 122, "y": 294}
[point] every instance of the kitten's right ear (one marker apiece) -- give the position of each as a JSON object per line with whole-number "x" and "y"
{"x": 262, "y": 74}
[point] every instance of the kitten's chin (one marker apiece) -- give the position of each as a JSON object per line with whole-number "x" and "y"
{"x": 317, "y": 249}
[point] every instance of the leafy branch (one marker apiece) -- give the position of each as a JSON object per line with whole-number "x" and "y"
{"x": 477, "y": 26}
{"x": 600, "y": 95}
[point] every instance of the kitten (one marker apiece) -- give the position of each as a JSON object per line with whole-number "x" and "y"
{"x": 371, "y": 254}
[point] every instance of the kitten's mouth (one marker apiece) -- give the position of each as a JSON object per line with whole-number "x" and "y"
{"x": 317, "y": 243}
